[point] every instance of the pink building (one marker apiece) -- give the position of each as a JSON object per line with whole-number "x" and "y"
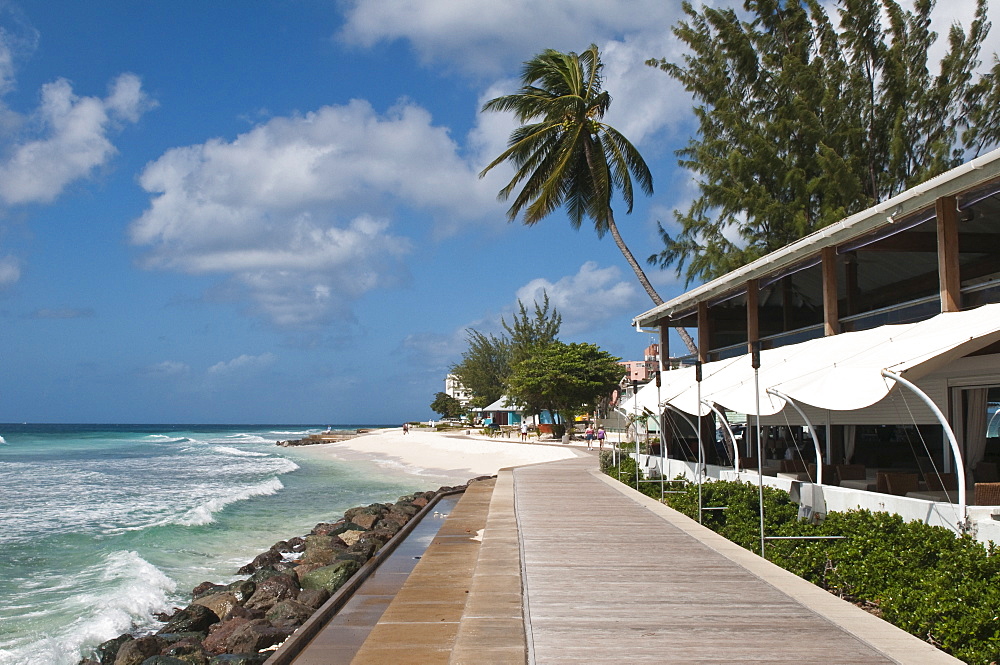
{"x": 643, "y": 370}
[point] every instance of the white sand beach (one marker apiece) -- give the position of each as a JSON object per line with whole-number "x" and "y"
{"x": 451, "y": 456}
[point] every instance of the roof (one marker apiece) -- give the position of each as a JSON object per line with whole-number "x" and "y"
{"x": 839, "y": 372}
{"x": 502, "y": 404}
{"x": 911, "y": 202}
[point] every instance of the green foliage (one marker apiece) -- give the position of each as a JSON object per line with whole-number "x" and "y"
{"x": 446, "y": 405}
{"x": 563, "y": 153}
{"x": 526, "y": 333}
{"x": 940, "y": 587}
{"x": 563, "y": 378}
{"x": 484, "y": 367}
{"x": 802, "y": 122}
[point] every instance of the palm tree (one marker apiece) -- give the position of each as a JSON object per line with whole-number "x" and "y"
{"x": 564, "y": 153}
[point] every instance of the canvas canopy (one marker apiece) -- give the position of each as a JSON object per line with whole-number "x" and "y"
{"x": 839, "y": 372}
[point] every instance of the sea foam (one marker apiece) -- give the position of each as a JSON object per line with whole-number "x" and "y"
{"x": 205, "y": 513}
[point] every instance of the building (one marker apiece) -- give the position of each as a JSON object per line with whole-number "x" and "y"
{"x": 875, "y": 339}
{"x": 454, "y": 388}
{"x": 643, "y": 370}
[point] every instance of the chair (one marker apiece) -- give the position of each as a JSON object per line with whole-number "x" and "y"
{"x": 829, "y": 474}
{"x": 941, "y": 482}
{"x": 792, "y": 466}
{"x": 987, "y": 494}
{"x": 850, "y": 472}
{"x": 900, "y": 483}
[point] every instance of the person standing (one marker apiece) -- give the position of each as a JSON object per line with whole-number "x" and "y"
{"x": 601, "y": 435}
{"x": 524, "y": 430}
{"x": 589, "y": 436}
{"x": 406, "y": 427}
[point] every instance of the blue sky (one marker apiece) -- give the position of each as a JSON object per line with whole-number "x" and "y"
{"x": 274, "y": 215}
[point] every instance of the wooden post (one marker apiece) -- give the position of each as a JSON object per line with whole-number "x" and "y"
{"x": 703, "y": 332}
{"x": 831, "y": 314}
{"x": 753, "y": 314}
{"x": 664, "y": 346}
{"x": 947, "y": 247}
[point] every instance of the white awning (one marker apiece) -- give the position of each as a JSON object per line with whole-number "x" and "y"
{"x": 840, "y": 372}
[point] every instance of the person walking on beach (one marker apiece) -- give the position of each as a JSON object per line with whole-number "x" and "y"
{"x": 601, "y": 435}
{"x": 589, "y": 436}
{"x": 406, "y": 427}
{"x": 524, "y": 430}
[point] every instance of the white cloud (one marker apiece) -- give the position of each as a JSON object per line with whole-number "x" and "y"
{"x": 243, "y": 363}
{"x": 296, "y": 210}
{"x": 167, "y": 369}
{"x": 73, "y": 139}
{"x": 585, "y": 300}
{"x": 10, "y": 271}
{"x": 486, "y": 37}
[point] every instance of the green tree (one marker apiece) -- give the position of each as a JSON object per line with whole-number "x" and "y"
{"x": 802, "y": 123}
{"x": 526, "y": 333}
{"x": 564, "y": 153}
{"x": 484, "y": 367}
{"x": 446, "y": 405}
{"x": 564, "y": 378}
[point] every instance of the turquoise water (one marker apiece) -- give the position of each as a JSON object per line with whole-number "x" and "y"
{"x": 103, "y": 525}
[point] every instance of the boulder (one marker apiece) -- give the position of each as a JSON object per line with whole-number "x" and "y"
{"x": 365, "y": 520}
{"x": 242, "y": 590}
{"x": 219, "y": 636}
{"x": 189, "y": 653}
{"x": 260, "y": 561}
{"x": 239, "y": 659}
{"x": 220, "y": 603}
{"x": 289, "y": 614}
{"x": 324, "y": 528}
{"x": 240, "y": 611}
{"x": 273, "y": 590}
{"x": 330, "y": 577}
{"x": 376, "y": 509}
{"x": 405, "y": 507}
{"x": 420, "y": 501}
{"x": 134, "y": 652}
{"x": 192, "y": 619}
{"x": 106, "y": 652}
{"x": 164, "y": 660}
{"x": 351, "y": 556}
{"x": 204, "y": 588}
{"x": 297, "y": 543}
{"x": 313, "y": 598}
{"x": 321, "y": 555}
{"x": 349, "y": 538}
{"x": 256, "y": 635}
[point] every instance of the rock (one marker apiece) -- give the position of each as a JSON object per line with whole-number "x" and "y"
{"x": 164, "y": 660}
{"x": 375, "y": 509}
{"x": 297, "y": 543}
{"x": 289, "y": 614}
{"x": 313, "y": 598}
{"x": 242, "y": 589}
{"x": 240, "y": 611}
{"x": 366, "y": 546}
{"x": 203, "y": 588}
{"x": 264, "y": 573}
{"x": 420, "y": 502}
{"x": 405, "y": 507}
{"x": 107, "y": 651}
{"x": 349, "y": 538}
{"x": 134, "y": 652}
{"x": 281, "y": 546}
{"x": 255, "y": 635}
{"x": 190, "y": 654}
{"x": 220, "y": 603}
{"x": 239, "y": 659}
{"x": 351, "y": 556}
{"x": 260, "y": 561}
{"x": 324, "y": 528}
{"x": 365, "y": 520}
{"x": 330, "y": 577}
{"x": 273, "y": 590}
{"x": 193, "y": 619}
{"x": 219, "y": 636}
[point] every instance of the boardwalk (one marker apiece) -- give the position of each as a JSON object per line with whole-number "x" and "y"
{"x": 569, "y": 566}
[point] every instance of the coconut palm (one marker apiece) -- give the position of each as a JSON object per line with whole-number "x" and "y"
{"x": 563, "y": 152}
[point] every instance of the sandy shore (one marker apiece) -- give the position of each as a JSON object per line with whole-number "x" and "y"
{"x": 440, "y": 455}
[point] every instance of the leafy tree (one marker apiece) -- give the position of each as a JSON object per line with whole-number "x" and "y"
{"x": 563, "y": 152}
{"x": 447, "y": 406}
{"x": 486, "y": 364}
{"x": 563, "y": 378}
{"x": 525, "y": 334}
{"x": 484, "y": 367}
{"x": 801, "y": 122}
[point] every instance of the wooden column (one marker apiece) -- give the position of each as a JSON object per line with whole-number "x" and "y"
{"x": 664, "y": 345}
{"x": 753, "y": 313}
{"x": 947, "y": 246}
{"x": 831, "y": 313}
{"x": 704, "y": 332}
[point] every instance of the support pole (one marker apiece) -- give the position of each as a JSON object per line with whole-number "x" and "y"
{"x": 701, "y": 451}
{"x": 729, "y": 431}
{"x": 959, "y": 463}
{"x": 812, "y": 432}
{"x": 755, "y": 362}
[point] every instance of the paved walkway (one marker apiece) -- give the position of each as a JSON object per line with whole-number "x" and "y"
{"x": 573, "y": 567}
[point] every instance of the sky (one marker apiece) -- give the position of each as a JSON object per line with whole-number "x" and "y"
{"x": 271, "y": 212}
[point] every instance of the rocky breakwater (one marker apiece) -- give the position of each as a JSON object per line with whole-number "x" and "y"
{"x": 243, "y": 622}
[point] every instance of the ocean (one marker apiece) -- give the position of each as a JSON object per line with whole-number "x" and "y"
{"x": 103, "y": 525}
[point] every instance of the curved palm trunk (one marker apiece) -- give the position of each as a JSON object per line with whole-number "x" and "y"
{"x": 641, "y": 275}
